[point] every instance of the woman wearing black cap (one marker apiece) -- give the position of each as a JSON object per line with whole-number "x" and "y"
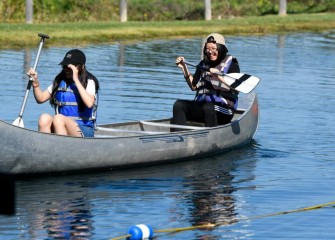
{"x": 215, "y": 102}
{"x": 73, "y": 94}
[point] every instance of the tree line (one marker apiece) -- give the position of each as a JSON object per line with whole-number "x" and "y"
{"x": 152, "y": 10}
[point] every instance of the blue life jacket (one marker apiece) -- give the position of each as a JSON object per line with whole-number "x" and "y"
{"x": 69, "y": 103}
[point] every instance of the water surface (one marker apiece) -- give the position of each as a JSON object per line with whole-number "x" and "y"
{"x": 289, "y": 165}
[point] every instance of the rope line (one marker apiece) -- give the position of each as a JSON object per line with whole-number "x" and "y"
{"x": 213, "y": 225}
{"x": 122, "y": 237}
{"x": 315, "y": 207}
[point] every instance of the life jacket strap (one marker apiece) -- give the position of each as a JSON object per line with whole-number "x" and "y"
{"x": 60, "y": 104}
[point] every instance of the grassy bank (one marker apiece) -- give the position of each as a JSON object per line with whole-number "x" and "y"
{"x": 72, "y": 34}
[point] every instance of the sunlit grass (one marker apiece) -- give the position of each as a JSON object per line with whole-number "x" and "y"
{"x": 23, "y": 35}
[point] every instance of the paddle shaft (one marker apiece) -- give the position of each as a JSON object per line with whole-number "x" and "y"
{"x": 240, "y": 82}
{"x": 207, "y": 69}
{"x": 43, "y": 37}
{"x": 220, "y": 74}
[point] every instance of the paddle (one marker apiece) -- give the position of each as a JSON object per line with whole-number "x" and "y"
{"x": 237, "y": 81}
{"x": 19, "y": 120}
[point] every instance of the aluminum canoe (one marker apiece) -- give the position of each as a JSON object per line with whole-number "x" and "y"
{"x": 122, "y": 145}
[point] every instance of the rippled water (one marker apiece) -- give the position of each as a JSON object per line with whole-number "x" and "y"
{"x": 289, "y": 165}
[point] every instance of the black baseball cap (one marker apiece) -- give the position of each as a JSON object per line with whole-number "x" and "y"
{"x": 74, "y": 56}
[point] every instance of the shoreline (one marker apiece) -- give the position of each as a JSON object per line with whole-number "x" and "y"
{"x": 20, "y": 35}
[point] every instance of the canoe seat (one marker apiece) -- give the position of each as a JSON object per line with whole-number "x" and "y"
{"x": 237, "y": 115}
{"x": 196, "y": 124}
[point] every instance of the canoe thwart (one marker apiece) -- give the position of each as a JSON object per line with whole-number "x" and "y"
{"x": 128, "y": 131}
{"x": 167, "y": 125}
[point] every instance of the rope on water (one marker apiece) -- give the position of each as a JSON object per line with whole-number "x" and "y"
{"x": 213, "y": 225}
{"x": 315, "y": 207}
{"x": 122, "y": 237}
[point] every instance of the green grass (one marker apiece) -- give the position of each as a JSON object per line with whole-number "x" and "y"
{"x": 82, "y": 33}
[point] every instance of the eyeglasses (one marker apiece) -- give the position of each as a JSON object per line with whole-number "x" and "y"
{"x": 209, "y": 50}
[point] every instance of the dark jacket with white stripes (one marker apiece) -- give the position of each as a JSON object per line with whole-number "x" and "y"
{"x": 210, "y": 89}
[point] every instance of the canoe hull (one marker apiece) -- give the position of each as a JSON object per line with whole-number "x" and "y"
{"x": 25, "y": 151}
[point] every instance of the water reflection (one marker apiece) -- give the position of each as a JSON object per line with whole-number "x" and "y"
{"x": 70, "y": 219}
{"x": 55, "y": 208}
{"x": 212, "y": 199}
{"x": 212, "y": 193}
{"x": 28, "y": 61}
{"x": 83, "y": 206}
{"x": 293, "y": 155}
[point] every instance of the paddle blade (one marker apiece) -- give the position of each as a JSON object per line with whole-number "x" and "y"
{"x": 18, "y": 122}
{"x": 241, "y": 82}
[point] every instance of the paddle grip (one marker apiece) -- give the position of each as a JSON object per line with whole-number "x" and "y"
{"x": 43, "y": 36}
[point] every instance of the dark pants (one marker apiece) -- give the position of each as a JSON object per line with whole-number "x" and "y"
{"x": 186, "y": 110}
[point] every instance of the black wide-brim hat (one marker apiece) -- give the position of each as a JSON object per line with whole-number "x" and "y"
{"x": 74, "y": 56}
